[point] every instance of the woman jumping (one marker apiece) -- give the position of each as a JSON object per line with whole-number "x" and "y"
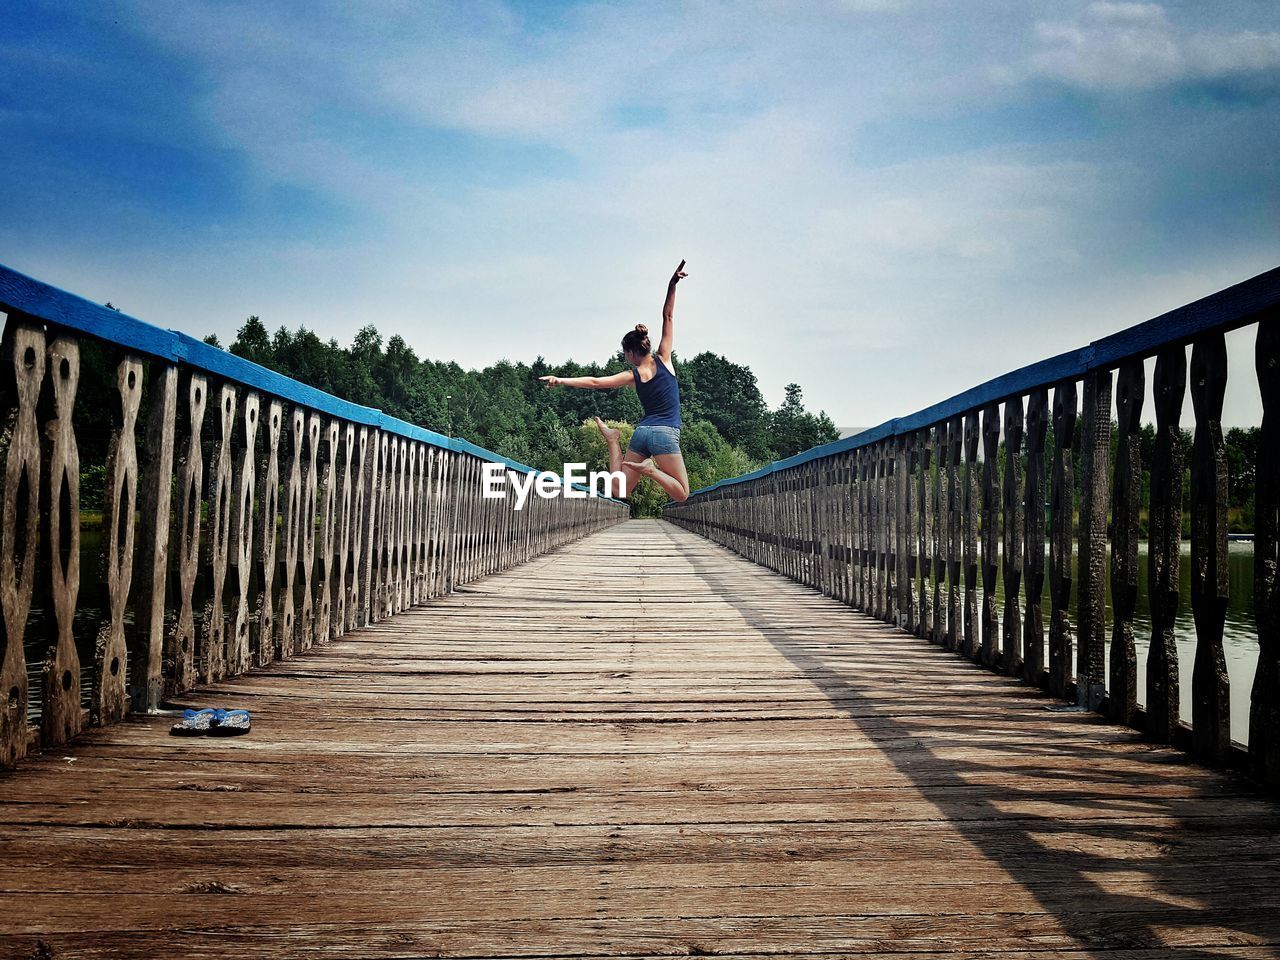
{"x": 654, "y": 450}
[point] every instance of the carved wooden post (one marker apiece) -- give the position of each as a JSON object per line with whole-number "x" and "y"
{"x": 924, "y": 536}
{"x": 955, "y": 509}
{"x": 1210, "y": 689}
{"x": 328, "y": 523}
{"x": 357, "y": 604}
{"x": 1123, "y": 692}
{"x": 971, "y": 534}
{"x": 110, "y": 699}
{"x": 1091, "y": 647}
{"x": 180, "y": 645}
{"x": 307, "y": 540}
{"x": 1013, "y": 532}
{"x": 990, "y": 532}
{"x": 239, "y": 655}
{"x": 213, "y": 655}
{"x": 941, "y": 518}
{"x": 1061, "y": 541}
{"x": 146, "y": 664}
{"x": 1264, "y": 713}
{"x": 286, "y": 621}
{"x": 1033, "y": 512}
{"x": 268, "y": 537}
{"x": 60, "y": 527}
{"x": 24, "y": 353}
{"x": 345, "y": 504}
{"x": 1165, "y": 544}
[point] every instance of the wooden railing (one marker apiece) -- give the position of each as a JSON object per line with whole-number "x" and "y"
{"x": 254, "y": 517}
{"x": 906, "y": 522}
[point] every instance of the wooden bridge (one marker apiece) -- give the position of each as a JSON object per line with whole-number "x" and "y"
{"x": 823, "y": 709}
{"x": 636, "y": 745}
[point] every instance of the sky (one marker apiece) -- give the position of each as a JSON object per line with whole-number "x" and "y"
{"x": 887, "y": 201}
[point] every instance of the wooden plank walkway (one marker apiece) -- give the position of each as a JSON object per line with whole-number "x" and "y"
{"x": 638, "y": 745}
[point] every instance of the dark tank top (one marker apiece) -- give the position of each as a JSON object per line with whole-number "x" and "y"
{"x": 660, "y": 397}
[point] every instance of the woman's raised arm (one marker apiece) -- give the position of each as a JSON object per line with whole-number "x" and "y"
{"x": 611, "y": 382}
{"x": 668, "y": 315}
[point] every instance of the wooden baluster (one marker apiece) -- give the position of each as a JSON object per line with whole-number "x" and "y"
{"x": 1033, "y": 662}
{"x": 941, "y": 518}
{"x": 990, "y": 533}
{"x": 1210, "y": 688}
{"x": 1061, "y": 539}
{"x": 346, "y": 504}
{"x": 924, "y": 536}
{"x": 391, "y": 525}
{"x": 328, "y": 530}
{"x": 971, "y": 495}
{"x": 1122, "y": 695}
{"x": 435, "y": 520}
{"x": 180, "y": 644}
{"x": 421, "y": 524}
{"x": 1091, "y": 646}
{"x": 268, "y": 536}
{"x": 1013, "y": 530}
{"x": 891, "y": 532}
{"x": 358, "y": 597}
{"x": 212, "y": 654}
{"x": 239, "y": 652}
{"x": 307, "y": 539}
{"x": 24, "y": 350}
{"x": 287, "y": 622}
{"x": 904, "y": 466}
{"x": 1264, "y": 713}
{"x": 955, "y": 510}
{"x": 1165, "y": 544}
{"x": 146, "y": 659}
{"x": 60, "y": 527}
{"x": 109, "y": 700}
{"x": 378, "y": 495}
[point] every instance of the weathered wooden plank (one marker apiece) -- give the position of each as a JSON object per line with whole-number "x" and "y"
{"x": 24, "y": 368}
{"x": 1122, "y": 693}
{"x": 1210, "y": 686}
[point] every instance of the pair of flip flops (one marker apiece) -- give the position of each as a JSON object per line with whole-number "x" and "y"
{"x": 212, "y": 721}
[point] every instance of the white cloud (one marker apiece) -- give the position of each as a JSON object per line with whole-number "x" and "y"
{"x": 1135, "y": 46}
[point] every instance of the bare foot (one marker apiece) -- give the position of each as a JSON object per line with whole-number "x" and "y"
{"x": 606, "y": 431}
{"x": 646, "y": 468}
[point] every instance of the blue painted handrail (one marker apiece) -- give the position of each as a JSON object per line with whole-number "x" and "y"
{"x": 24, "y": 294}
{"x": 1228, "y": 309}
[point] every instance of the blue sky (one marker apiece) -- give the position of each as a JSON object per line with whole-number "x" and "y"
{"x": 886, "y": 200}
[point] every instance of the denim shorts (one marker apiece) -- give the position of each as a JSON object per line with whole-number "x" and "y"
{"x": 655, "y": 441}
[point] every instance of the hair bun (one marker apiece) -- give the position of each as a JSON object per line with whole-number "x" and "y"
{"x": 641, "y": 329}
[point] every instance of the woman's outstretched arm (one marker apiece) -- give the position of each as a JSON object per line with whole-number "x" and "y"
{"x": 611, "y": 382}
{"x": 668, "y": 315}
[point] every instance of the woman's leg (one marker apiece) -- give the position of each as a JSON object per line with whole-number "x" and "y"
{"x": 616, "y": 459}
{"x": 667, "y": 471}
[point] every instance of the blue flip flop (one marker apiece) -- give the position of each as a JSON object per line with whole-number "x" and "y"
{"x": 195, "y": 723}
{"x": 229, "y": 723}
